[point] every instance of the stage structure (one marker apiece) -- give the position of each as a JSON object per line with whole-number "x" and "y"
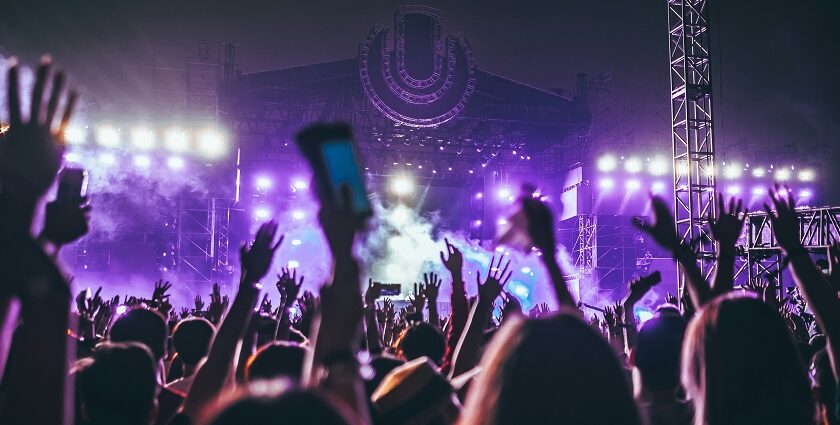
{"x": 692, "y": 134}
{"x": 418, "y": 104}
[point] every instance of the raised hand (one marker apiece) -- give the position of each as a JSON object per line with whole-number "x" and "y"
{"x": 256, "y": 259}
{"x": 671, "y": 299}
{"x": 199, "y": 303}
{"x": 31, "y": 152}
{"x": 431, "y": 286}
{"x": 663, "y": 230}
{"x": 418, "y": 300}
{"x": 89, "y": 306}
{"x": 727, "y": 227}
{"x": 159, "y": 294}
{"x": 388, "y": 310}
{"x": 66, "y": 222}
{"x": 374, "y": 291}
{"x": 540, "y": 225}
{"x": 784, "y": 219}
{"x": 217, "y": 306}
{"x": 497, "y": 278}
{"x": 452, "y": 259}
{"x": 640, "y": 286}
{"x": 289, "y": 286}
{"x": 265, "y": 305}
{"x": 185, "y": 312}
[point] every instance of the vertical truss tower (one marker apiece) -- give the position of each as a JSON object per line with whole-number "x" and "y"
{"x": 692, "y": 131}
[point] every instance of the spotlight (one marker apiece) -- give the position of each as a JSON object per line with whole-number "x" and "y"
{"x": 526, "y": 270}
{"x": 733, "y": 190}
{"x": 107, "y": 158}
{"x": 657, "y": 187}
{"x": 142, "y": 138}
{"x": 632, "y": 185}
{"x": 298, "y": 214}
{"x": 176, "y": 140}
{"x": 212, "y": 143}
{"x": 606, "y": 183}
{"x": 682, "y": 167}
{"x": 479, "y": 195}
{"x": 806, "y": 175}
{"x": 658, "y": 167}
{"x": 501, "y": 222}
{"x": 262, "y": 213}
{"x": 292, "y": 264}
{"x": 72, "y": 157}
{"x": 299, "y": 184}
{"x": 107, "y": 136}
{"x": 519, "y": 290}
{"x": 503, "y": 193}
{"x": 263, "y": 183}
{"x": 732, "y": 171}
{"x": 805, "y": 194}
{"x": 296, "y": 242}
{"x": 142, "y": 161}
{"x": 175, "y": 162}
{"x": 476, "y": 223}
{"x": 709, "y": 170}
{"x": 758, "y": 191}
{"x": 633, "y": 165}
{"x": 782, "y": 174}
{"x": 606, "y": 163}
{"x": 402, "y": 185}
{"x": 74, "y": 135}
{"x": 758, "y": 172}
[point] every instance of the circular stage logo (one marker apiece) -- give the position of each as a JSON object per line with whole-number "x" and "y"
{"x": 422, "y": 81}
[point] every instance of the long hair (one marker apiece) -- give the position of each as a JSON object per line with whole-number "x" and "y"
{"x": 555, "y": 369}
{"x": 740, "y": 366}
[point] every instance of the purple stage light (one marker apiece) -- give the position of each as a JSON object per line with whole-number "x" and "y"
{"x": 292, "y": 264}
{"x": 296, "y": 242}
{"x": 759, "y": 172}
{"x": 175, "y": 163}
{"x": 479, "y": 195}
{"x": 142, "y": 161}
{"x": 262, "y": 213}
{"x": 733, "y": 190}
{"x": 74, "y": 135}
{"x": 759, "y": 190}
{"x": 501, "y": 222}
{"x": 657, "y": 187}
{"x": 72, "y": 157}
{"x": 633, "y": 185}
{"x": 263, "y": 183}
{"x": 107, "y": 158}
{"x": 805, "y": 194}
{"x": 606, "y": 183}
{"x": 298, "y": 215}
{"x": 476, "y": 223}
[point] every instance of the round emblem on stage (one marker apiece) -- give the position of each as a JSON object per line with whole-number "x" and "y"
{"x": 422, "y": 80}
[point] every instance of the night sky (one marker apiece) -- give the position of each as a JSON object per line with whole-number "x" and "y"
{"x": 777, "y": 64}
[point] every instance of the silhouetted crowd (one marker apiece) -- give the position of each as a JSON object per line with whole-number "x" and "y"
{"x": 719, "y": 355}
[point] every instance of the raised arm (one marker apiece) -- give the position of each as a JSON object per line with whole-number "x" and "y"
{"x": 467, "y": 353}
{"x": 726, "y": 229}
{"x": 453, "y": 260}
{"x": 431, "y": 288}
{"x": 210, "y": 379}
{"x": 374, "y": 339}
{"x": 541, "y": 230}
{"x": 638, "y": 288}
{"x": 818, "y": 292}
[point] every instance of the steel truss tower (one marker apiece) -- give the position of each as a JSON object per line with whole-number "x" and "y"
{"x": 692, "y": 131}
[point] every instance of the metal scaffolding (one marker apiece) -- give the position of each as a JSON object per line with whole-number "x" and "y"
{"x": 203, "y": 238}
{"x": 692, "y": 134}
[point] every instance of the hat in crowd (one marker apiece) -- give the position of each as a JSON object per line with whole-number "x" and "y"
{"x": 415, "y": 393}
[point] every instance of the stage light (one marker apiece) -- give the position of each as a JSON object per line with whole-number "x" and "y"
{"x": 402, "y": 185}
{"x": 296, "y": 242}
{"x": 176, "y": 140}
{"x": 108, "y": 136}
{"x": 212, "y": 143}
{"x": 263, "y": 183}
{"x": 72, "y": 157}
{"x": 732, "y": 171}
{"x": 519, "y": 290}
{"x": 298, "y": 215}
{"x": 633, "y": 185}
{"x": 74, "y": 135}
{"x": 805, "y": 193}
{"x": 525, "y": 270}
{"x": 299, "y": 184}
{"x": 262, "y": 213}
{"x": 782, "y": 174}
{"x": 394, "y": 272}
{"x": 292, "y": 264}
{"x": 633, "y": 165}
{"x": 759, "y": 190}
{"x": 606, "y": 183}
{"x": 500, "y": 249}
{"x": 476, "y": 223}
{"x": 107, "y": 158}
{"x": 400, "y": 216}
{"x": 479, "y": 195}
{"x": 682, "y": 167}
{"x": 503, "y": 193}
{"x": 806, "y": 175}
{"x": 657, "y": 187}
{"x": 501, "y": 222}
{"x": 175, "y": 162}
{"x": 121, "y": 309}
{"x": 607, "y": 163}
{"x": 142, "y": 161}
{"x": 759, "y": 172}
{"x": 733, "y": 190}
{"x": 709, "y": 170}
{"x": 658, "y": 167}
{"x": 142, "y": 138}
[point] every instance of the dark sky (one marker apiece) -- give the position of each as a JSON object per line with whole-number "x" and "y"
{"x": 778, "y": 60}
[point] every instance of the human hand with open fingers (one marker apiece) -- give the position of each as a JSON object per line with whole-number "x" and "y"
{"x": 31, "y": 151}
{"x": 289, "y": 285}
{"x": 418, "y": 298}
{"x": 431, "y": 286}
{"x": 452, "y": 258}
{"x": 374, "y": 291}
{"x": 784, "y": 219}
{"x": 256, "y": 259}
{"x": 497, "y": 278}
{"x": 727, "y": 227}
{"x": 89, "y": 306}
{"x": 199, "y": 303}
{"x": 66, "y": 222}
{"x": 663, "y": 230}
{"x": 641, "y": 286}
{"x": 161, "y": 287}
{"x": 388, "y": 310}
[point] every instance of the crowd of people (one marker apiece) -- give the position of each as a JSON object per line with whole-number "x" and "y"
{"x": 721, "y": 354}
